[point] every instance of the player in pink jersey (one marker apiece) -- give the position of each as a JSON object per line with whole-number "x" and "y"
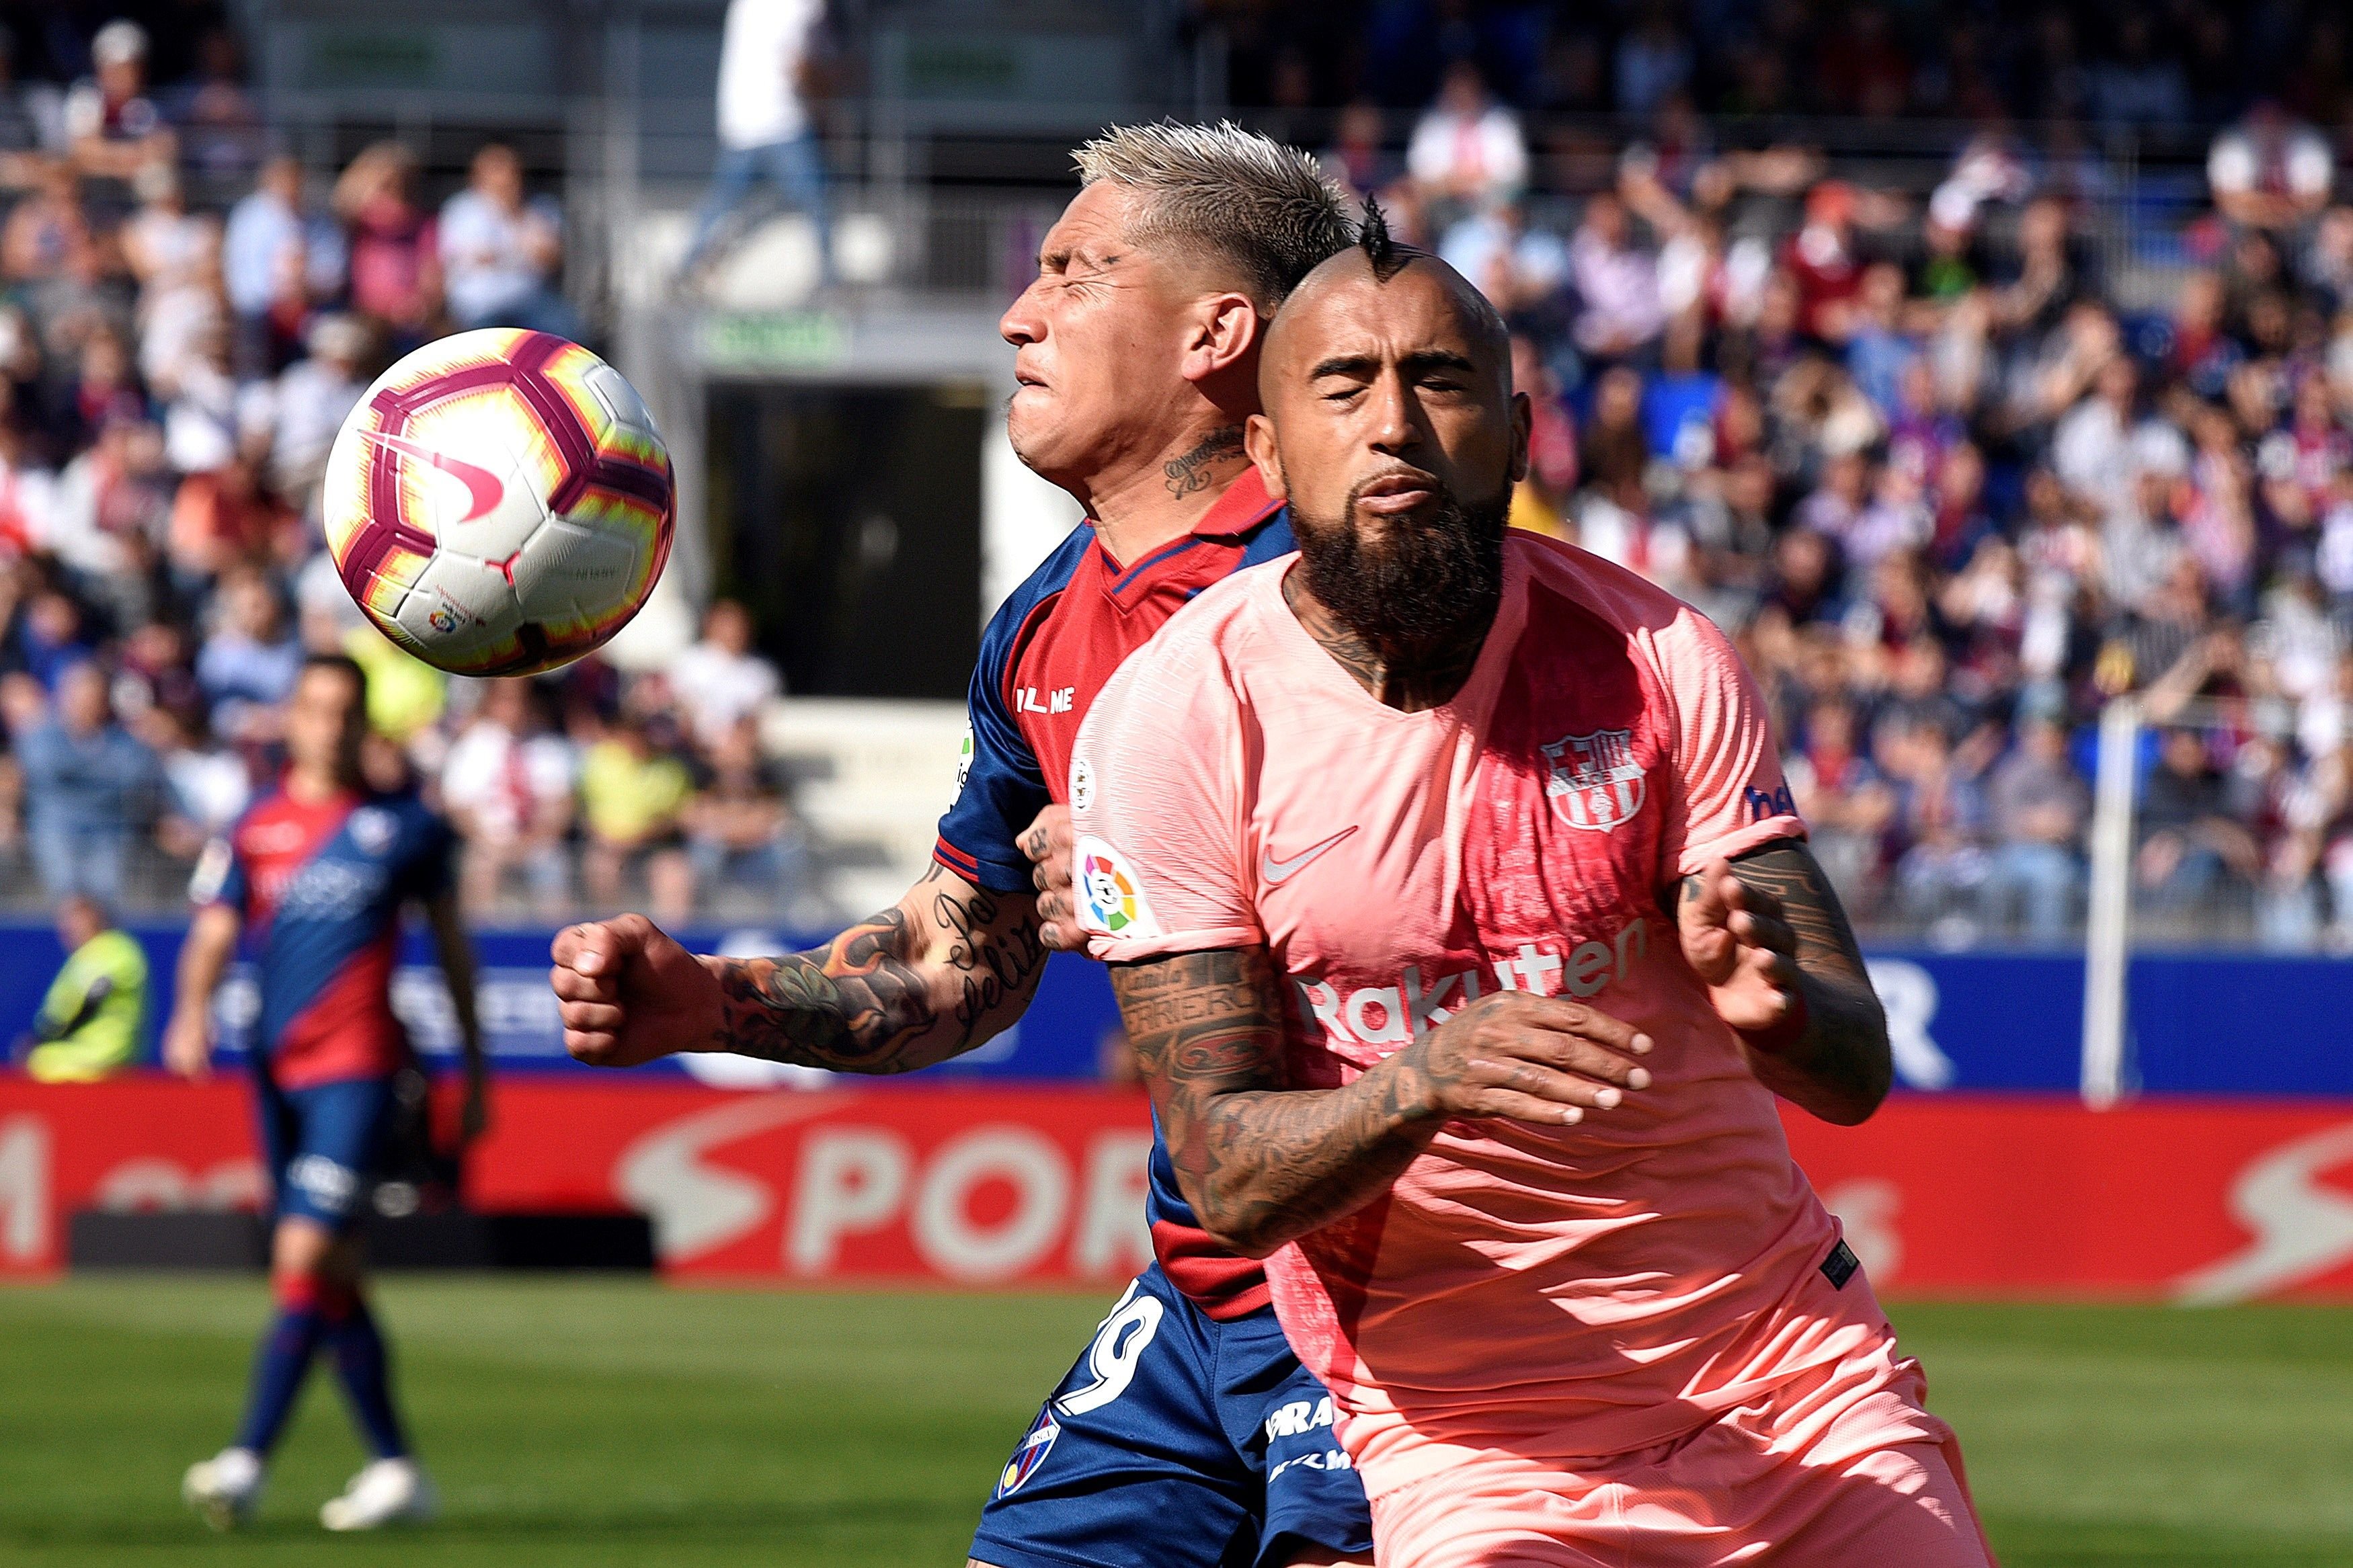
{"x": 1374, "y": 837}
{"x": 1184, "y": 1435}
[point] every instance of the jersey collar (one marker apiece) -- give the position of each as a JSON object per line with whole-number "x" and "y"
{"x": 345, "y": 799}
{"x": 1231, "y": 516}
{"x": 1242, "y": 508}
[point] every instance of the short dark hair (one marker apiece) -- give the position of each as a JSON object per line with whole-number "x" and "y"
{"x": 342, "y": 664}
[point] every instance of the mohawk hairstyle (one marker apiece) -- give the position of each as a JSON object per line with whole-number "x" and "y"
{"x": 1267, "y": 211}
{"x": 1386, "y": 255}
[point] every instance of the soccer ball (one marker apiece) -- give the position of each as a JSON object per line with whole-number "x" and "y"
{"x": 499, "y": 503}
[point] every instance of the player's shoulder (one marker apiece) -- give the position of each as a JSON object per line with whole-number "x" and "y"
{"x": 1222, "y": 619}
{"x": 387, "y": 820}
{"x": 1602, "y": 587}
{"x": 1043, "y": 584}
{"x": 1193, "y": 665}
{"x": 269, "y": 806}
{"x": 1579, "y": 581}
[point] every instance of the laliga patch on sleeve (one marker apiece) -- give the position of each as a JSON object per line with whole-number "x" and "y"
{"x": 964, "y": 761}
{"x": 1109, "y": 892}
{"x": 1839, "y": 1266}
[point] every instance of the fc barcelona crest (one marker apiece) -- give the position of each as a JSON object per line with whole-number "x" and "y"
{"x": 1595, "y": 783}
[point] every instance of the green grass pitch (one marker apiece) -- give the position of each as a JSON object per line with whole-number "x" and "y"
{"x": 584, "y": 1423}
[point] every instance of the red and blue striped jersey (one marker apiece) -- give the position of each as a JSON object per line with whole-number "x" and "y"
{"x": 319, "y": 886}
{"x": 1050, "y": 647}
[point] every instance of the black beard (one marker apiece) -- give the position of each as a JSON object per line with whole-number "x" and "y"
{"x": 1429, "y": 581}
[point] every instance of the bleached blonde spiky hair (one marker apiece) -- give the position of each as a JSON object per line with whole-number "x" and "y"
{"x": 1223, "y": 191}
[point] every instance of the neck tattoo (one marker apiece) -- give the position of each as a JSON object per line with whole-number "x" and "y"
{"x": 1407, "y": 678}
{"x": 1194, "y": 471}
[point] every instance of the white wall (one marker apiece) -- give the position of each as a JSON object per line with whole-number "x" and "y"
{"x": 1022, "y": 518}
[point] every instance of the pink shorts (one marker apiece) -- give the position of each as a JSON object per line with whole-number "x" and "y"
{"x": 1839, "y": 1469}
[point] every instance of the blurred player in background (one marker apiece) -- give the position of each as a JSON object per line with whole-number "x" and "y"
{"x": 1379, "y": 830}
{"x": 767, "y": 59}
{"x": 1167, "y": 1445}
{"x": 87, "y": 1027}
{"x": 317, "y": 872}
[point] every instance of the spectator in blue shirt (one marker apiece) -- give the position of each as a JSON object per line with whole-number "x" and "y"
{"x": 89, "y": 788}
{"x": 501, "y": 251}
{"x": 276, "y": 260}
{"x": 248, "y": 665}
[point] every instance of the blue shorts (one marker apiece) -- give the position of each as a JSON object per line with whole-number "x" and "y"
{"x": 323, "y": 1144}
{"x": 1177, "y": 1441}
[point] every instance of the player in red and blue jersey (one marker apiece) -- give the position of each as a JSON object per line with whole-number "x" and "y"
{"x": 1188, "y": 1434}
{"x": 313, "y": 879}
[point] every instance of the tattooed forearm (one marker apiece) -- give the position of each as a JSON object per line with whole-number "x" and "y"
{"x": 952, "y": 965}
{"x": 1839, "y": 1067}
{"x": 1261, "y": 1163}
{"x": 1195, "y": 470}
{"x": 995, "y": 960}
{"x": 852, "y": 1006}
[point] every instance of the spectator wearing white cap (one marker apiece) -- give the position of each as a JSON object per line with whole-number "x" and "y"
{"x": 113, "y": 127}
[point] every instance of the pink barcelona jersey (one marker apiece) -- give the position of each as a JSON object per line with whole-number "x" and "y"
{"x": 1568, "y": 1292}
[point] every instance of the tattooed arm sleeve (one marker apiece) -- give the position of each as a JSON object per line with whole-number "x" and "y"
{"x": 1261, "y": 1164}
{"x": 950, "y": 966}
{"x": 1839, "y": 1066}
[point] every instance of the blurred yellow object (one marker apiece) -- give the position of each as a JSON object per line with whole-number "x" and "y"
{"x": 626, "y": 797}
{"x": 404, "y": 694}
{"x": 88, "y": 1023}
{"x": 2113, "y": 672}
{"x": 1532, "y": 512}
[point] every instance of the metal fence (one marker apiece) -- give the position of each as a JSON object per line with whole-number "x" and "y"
{"x": 961, "y": 200}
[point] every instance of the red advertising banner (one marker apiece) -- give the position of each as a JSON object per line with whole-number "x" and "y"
{"x": 1983, "y": 1195}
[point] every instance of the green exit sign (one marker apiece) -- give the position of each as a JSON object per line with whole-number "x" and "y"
{"x": 774, "y": 339}
{"x": 374, "y": 57}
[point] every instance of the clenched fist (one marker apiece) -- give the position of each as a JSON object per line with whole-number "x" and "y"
{"x": 1047, "y": 842}
{"x": 629, "y": 994}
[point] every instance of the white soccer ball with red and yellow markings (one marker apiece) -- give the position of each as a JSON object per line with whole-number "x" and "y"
{"x": 500, "y": 502}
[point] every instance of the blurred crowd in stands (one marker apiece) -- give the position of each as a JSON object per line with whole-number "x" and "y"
{"x": 2158, "y": 66}
{"x": 171, "y": 379}
{"x": 1955, "y": 468}
{"x": 1956, "y": 474}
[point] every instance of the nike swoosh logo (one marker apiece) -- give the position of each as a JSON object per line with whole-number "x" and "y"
{"x": 483, "y": 489}
{"x": 1272, "y": 871}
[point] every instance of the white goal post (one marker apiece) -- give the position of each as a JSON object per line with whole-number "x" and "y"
{"x": 2108, "y": 929}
